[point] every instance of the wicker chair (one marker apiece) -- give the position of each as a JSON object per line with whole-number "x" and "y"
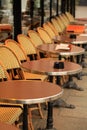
{"x": 26, "y": 42}
{"x": 27, "y": 46}
{"x": 6, "y": 55}
{"x": 53, "y": 28}
{"x": 60, "y": 22}
{"x": 56, "y": 25}
{"x": 8, "y": 113}
{"x": 44, "y": 35}
{"x": 64, "y": 20}
{"x": 35, "y": 38}
{"x": 70, "y": 17}
{"x": 49, "y": 31}
{"x": 21, "y": 55}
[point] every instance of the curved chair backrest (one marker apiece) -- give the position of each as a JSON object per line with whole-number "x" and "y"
{"x": 26, "y": 44}
{"x": 56, "y": 25}
{"x": 8, "y": 58}
{"x": 52, "y": 27}
{"x": 63, "y": 20}
{"x": 10, "y": 61}
{"x": 36, "y": 40}
{"x": 49, "y": 30}
{"x": 66, "y": 19}
{"x": 44, "y": 35}
{"x": 17, "y": 49}
{"x": 70, "y": 17}
{"x": 3, "y": 73}
{"x": 61, "y": 23}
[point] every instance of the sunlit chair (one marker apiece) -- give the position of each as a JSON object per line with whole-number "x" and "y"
{"x": 22, "y": 57}
{"x": 9, "y": 113}
{"x": 35, "y": 38}
{"x": 56, "y": 25}
{"x": 66, "y": 19}
{"x": 53, "y": 28}
{"x": 49, "y": 31}
{"x": 44, "y": 35}
{"x": 6, "y": 55}
{"x": 60, "y": 22}
{"x": 63, "y": 20}
{"x": 70, "y": 16}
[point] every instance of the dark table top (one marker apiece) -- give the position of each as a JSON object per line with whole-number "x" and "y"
{"x": 28, "y": 92}
{"x": 4, "y": 126}
{"x": 45, "y": 66}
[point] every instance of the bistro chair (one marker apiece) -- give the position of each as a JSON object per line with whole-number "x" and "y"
{"x": 35, "y": 38}
{"x": 36, "y": 41}
{"x": 53, "y": 28}
{"x": 44, "y": 35}
{"x": 9, "y": 113}
{"x": 27, "y": 46}
{"x": 64, "y": 20}
{"x": 21, "y": 55}
{"x": 56, "y": 25}
{"x": 50, "y": 31}
{"x": 60, "y": 22}
{"x": 6, "y": 55}
{"x": 70, "y": 17}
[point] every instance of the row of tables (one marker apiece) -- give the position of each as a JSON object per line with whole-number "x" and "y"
{"x": 32, "y": 92}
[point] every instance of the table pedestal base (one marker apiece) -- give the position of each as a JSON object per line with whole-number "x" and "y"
{"x": 61, "y": 103}
{"x": 79, "y": 76}
{"x": 83, "y": 64}
{"x": 72, "y": 85}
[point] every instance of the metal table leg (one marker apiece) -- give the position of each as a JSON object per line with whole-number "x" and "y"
{"x": 25, "y": 119}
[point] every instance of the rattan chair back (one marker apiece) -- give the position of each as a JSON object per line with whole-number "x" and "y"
{"x": 56, "y": 25}
{"x": 17, "y": 49}
{"x": 49, "y": 30}
{"x": 26, "y": 44}
{"x": 11, "y": 62}
{"x": 44, "y": 35}
{"x": 36, "y": 40}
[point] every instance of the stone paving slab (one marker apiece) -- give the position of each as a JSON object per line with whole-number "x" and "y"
{"x": 70, "y": 123}
{"x": 78, "y": 112}
{"x": 78, "y": 101}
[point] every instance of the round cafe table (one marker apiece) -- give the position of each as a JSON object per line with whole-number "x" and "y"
{"x": 30, "y": 92}
{"x": 46, "y": 66}
{"x": 4, "y": 126}
{"x": 51, "y": 49}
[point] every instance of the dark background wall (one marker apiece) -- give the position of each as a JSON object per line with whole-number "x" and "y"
{"x": 83, "y": 2}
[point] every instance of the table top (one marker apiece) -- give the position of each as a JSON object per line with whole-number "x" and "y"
{"x": 4, "y": 126}
{"x": 80, "y": 39}
{"x": 45, "y": 66}
{"x": 28, "y": 92}
{"x": 50, "y": 48}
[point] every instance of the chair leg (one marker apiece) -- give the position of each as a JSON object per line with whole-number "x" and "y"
{"x": 40, "y": 111}
{"x": 30, "y": 120}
